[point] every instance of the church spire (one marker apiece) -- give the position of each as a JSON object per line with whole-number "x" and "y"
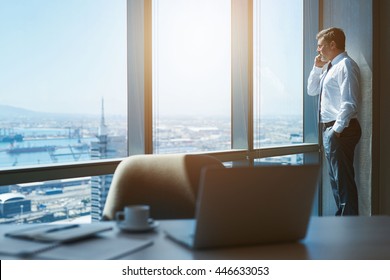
{"x": 102, "y": 127}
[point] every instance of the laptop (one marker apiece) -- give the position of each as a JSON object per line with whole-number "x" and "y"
{"x": 251, "y": 205}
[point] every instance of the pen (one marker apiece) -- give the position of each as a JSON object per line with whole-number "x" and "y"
{"x": 61, "y": 228}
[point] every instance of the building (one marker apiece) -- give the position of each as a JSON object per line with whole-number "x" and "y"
{"x": 12, "y": 204}
{"x": 105, "y": 147}
{"x": 99, "y": 190}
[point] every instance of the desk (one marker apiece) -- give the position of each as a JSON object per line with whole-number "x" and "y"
{"x": 333, "y": 238}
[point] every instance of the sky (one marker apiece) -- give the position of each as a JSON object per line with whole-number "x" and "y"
{"x": 192, "y": 57}
{"x": 66, "y": 55}
{"x": 63, "y": 55}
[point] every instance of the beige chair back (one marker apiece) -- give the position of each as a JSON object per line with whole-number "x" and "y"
{"x": 168, "y": 183}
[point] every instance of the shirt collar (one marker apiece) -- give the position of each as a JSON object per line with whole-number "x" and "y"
{"x": 338, "y": 58}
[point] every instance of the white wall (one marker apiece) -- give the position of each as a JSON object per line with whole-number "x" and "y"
{"x": 355, "y": 18}
{"x": 382, "y": 104}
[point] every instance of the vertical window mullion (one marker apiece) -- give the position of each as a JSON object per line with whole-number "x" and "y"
{"x": 139, "y": 66}
{"x": 311, "y": 25}
{"x": 148, "y": 76}
{"x": 242, "y": 74}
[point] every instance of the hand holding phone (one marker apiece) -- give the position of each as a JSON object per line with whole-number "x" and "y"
{"x": 320, "y": 61}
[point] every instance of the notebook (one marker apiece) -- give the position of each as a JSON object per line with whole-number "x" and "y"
{"x": 59, "y": 233}
{"x": 69, "y": 241}
{"x": 28, "y": 240}
{"x": 251, "y": 205}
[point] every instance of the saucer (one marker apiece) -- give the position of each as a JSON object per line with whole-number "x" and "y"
{"x": 130, "y": 228}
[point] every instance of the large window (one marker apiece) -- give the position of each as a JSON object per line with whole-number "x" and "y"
{"x": 278, "y": 72}
{"x": 84, "y": 83}
{"x": 191, "y": 75}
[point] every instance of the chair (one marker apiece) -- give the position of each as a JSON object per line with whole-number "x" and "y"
{"x": 168, "y": 183}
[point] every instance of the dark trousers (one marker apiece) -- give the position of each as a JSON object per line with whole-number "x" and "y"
{"x": 339, "y": 152}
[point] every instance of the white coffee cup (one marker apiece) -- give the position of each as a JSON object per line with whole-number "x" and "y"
{"x": 134, "y": 216}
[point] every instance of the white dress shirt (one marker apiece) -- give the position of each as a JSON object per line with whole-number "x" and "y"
{"x": 340, "y": 88}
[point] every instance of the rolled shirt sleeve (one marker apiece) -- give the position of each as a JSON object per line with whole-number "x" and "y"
{"x": 313, "y": 83}
{"x": 348, "y": 79}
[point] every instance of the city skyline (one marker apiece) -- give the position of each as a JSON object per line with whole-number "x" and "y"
{"x": 54, "y": 138}
{"x": 45, "y": 141}
{"x": 16, "y": 111}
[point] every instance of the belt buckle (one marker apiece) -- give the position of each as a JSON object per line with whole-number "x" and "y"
{"x": 329, "y": 124}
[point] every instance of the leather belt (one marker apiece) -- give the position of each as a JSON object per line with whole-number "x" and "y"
{"x": 329, "y": 124}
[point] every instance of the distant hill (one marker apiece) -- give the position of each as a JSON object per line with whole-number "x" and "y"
{"x": 10, "y": 111}
{"x": 16, "y": 113}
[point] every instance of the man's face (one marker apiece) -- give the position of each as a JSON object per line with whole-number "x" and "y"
{"x": 323, "y": 48}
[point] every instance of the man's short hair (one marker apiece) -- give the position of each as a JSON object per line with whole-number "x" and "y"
{"x": 333, "y": 34}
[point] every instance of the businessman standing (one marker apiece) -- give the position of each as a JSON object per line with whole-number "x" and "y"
{"x": 335, "y": 78}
